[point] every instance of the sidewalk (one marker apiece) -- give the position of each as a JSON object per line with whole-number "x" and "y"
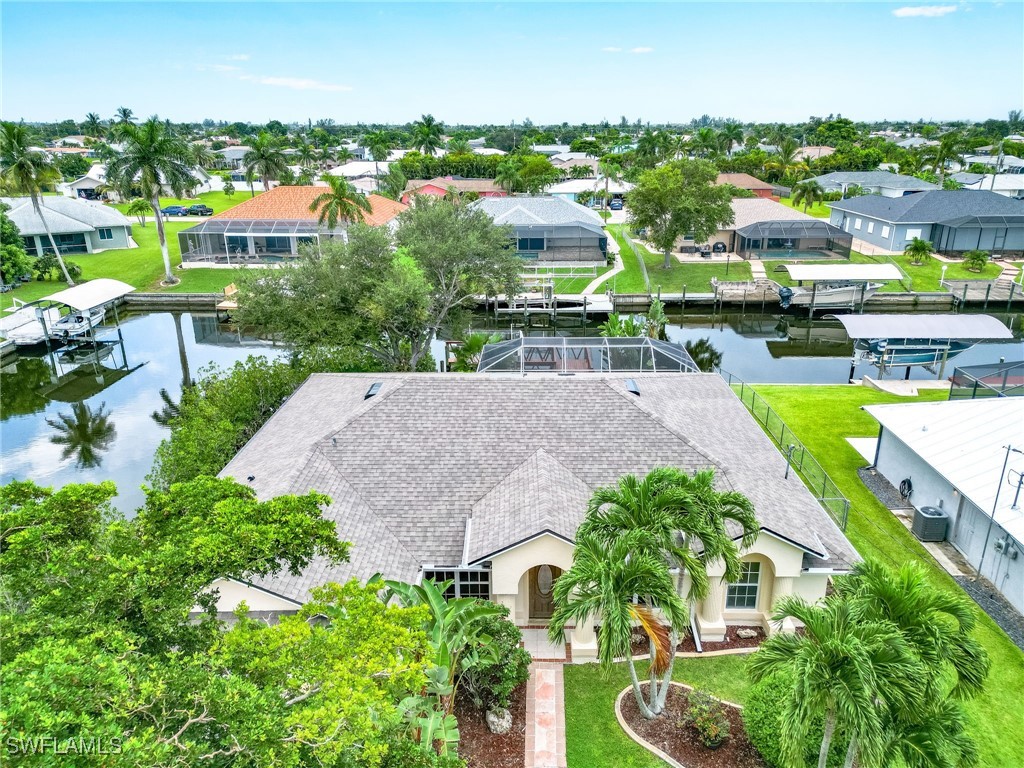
{"x": 545, "y": 717}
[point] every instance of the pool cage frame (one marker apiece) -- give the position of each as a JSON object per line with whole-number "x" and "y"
{"x": 988, "y": 380}
{"x": 569, "y": 355}
{"x": 823, "y": 236}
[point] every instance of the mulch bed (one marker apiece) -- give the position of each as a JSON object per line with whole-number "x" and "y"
{"x": 482, "y": 749}
{"x": 679, "y": 741}
{"x": 731, "y": 642}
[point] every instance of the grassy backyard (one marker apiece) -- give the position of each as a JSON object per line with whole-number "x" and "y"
{"x": 822, "y": 417}
{"x": 593, "y": 737}
{"x": 820, "y": 210}
{"x": 216, "y": 200}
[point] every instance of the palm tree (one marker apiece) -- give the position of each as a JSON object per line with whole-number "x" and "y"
{"x": 83, "y": 433}
{"x": 459, "y": 147}
{"x": 426, "y": 135}
{"x": 730, "y": 135}
{"x": 93, "y": 126}
{"x": 25, "y": 172}
{"x": 340, "y": 203}
{"x": 704, "y": 354}
{"x": 918, "y": 251}
{"x": 951, "y": 148}
{"x": 138, "y": 208}
{"x": 151, "y": 158}
{"x": 603, "y": 581}
{"x": 168, "y": 412}
{"x": 305, "y": 153}
{"x": 840, "y": 666}
{"x": 808, "y": 193}
{"x": 202, "y": 156}
{"x": 507, "y": 175}
{"x": 124, "y": 115}
{"x": 380, "y": 144}
{"x": 612, "y": 172}
{"x": 265, "y": 159}
{"x": 581, "y": 172}
{"x": 704, "y": 142}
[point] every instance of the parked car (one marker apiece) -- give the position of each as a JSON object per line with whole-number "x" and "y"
{"x": 174, "y": 210}
{"x": 200, "y": 210}
{"x": 615, "y": 205}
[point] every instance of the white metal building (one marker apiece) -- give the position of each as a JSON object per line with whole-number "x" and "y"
{"x": 952, "y": 454}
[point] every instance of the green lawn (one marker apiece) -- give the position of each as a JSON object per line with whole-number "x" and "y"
{"x": 592, "y": 735}
{"x": 821, "y": 210}
{"x": 696, "y": 277}
{"x": 822, "y": 417}
{"x": 216, "y": 200}
{"x": 577, "y": 284}
{"x": 926, "y": 276}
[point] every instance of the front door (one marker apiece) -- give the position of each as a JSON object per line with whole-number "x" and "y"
{"x": 542, "y": 583}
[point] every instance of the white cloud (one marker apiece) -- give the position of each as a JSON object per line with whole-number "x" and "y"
{"x": 641, "y": 49}
{"x": 928, "y": 11}
{"x": 238, "y": 57}
{"x": 296, "y": 83}
{"x": 611, "y": 49}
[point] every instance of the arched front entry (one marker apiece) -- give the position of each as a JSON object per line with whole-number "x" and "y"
{"x": 541, "y": 580}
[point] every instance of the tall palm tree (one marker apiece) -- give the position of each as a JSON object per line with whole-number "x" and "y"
{"x": 730, "y": 135}
{"x": 918, "y": 251}
{"x": 704, "y": 142}
{"x": 507, "y": 175}
{"x": 305, "y": 153}
{"x": 93, "y": 126}
{"x": 124, "y": 115}
{"x": 25, "y": 172}
{"x": 840, "y": 666}
{"x": 604, "y": 580}
{"x": 83, "y": 433}
{"x": 380, "y": 144}
{"x": 340, "y": 203}
{"x": 808, "y": 193}
{"x": 611, "y": 171}
{"x": 151, "y": 158}
{"x": 426, "y": 135}
{"x": 265, "y": 159}
{"x": 459, "y": 147}
{"x": 202, "y": 156}
{"x": 950, "y": 149}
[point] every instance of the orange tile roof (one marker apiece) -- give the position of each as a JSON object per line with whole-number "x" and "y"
{"x": 742, "y": 180}
{"x": 292, "y": 203}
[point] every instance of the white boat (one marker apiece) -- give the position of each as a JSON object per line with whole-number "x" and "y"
{"x": 828, "y": 295}
{"x": 23, "y": 326}
{"x": 77, "y": 323}
{"x": 85, "y": 353}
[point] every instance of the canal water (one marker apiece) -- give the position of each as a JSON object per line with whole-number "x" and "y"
{"x": 86, "y": 420}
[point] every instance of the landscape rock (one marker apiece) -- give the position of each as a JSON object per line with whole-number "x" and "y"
{"x": 499, "y": 720}
{"x": 746, "y": 634}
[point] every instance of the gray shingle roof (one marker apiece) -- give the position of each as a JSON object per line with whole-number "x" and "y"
{"x": 65, "y": 215}
{"x": 936, "y": 206}
{"x": 407, "y": 467}
{"x": 874, "y": 179}
{"x": 539, "y": 211}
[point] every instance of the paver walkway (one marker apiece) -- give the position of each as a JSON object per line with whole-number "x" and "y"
{"x": 537, "y": 644}
{"x": 545, "y": 717}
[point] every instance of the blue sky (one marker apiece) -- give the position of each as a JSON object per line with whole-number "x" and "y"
{"x": 486, "y": 62}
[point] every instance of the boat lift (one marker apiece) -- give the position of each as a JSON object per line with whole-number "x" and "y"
{"x": 918, "y": 339}
{"x": 838, "y": 285}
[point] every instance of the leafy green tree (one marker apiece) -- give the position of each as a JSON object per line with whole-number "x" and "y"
{"x": 975, "y": 261}
{"x": 393, "y": 183}
{"x": 14, "y": 260}
{"x": 151, "y": 158}
{"x": 508, "y": 177}
{"x": 426, "y": 135}
{"x": 918, "y": 251}
{"x": 84, "y": 434}
{"x": 622, "y": 325}
{"x": 809, "y": 193}
{"x": 25, "y": 172}
{"x": 537, "y": 173}
{"x": 490, "y": 678}
{"x": 679, "y": 198}
{"x": 340, "y": 203}
{"x": 72, "y": 167}
{"x": 139, "y": 208}
{"x": 229, "y": 187}
{"x": 265, "y": 159}
{"x": 467, "y": 354}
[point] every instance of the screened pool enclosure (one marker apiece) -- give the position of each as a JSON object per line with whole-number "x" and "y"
{"x": 238, "y": 241}
{"x": 793, "y": 239}
{"x": 571, "y": 355}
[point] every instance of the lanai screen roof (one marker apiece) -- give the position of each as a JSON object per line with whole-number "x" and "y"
{"x": 923, "y": 327}
{"x": 792, "y": 229}
{"x": 844, "y": 272}
{"x": 94, "y": 293}
{"x": 569, "y": 355}
{"x": 281, "y": 227}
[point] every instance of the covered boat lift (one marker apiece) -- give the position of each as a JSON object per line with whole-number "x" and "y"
{"x": 827, "y": 276}
{"x": 84, "y": 298}
{"x": 917, "y": 339}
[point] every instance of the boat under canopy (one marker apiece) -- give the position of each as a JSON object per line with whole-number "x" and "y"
{"x": 95, "y": 293}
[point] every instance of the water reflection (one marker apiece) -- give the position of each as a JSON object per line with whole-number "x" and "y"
{"x": 704, "y": 354}
{"x": 88, "y": 418}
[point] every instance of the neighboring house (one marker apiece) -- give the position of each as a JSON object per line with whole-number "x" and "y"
{"x": 488, "y": 151}
{"x": 269, "y": 228}
{"x": 233, "y": 156}
{"x": 77, "y": 226}
{"x": 873, "y": 183}
{"x": 1006, "y": 184}
{"x": 484, "y": 480}
{"x": 762, "y": 227}
{"x": 953, "y": 221}
{"x": 915, "y": 142}
{"x": 566, "y": 161}
{"x": 814, "y": 153}
{"x": 360, "y": 169}
{"x": 1004, "y": 164}
{"x": 93, "y": 185}
{"x": 71, "y": 141}
{"x": 550, "y": 228}
{"x": 440, "y": 186}
{"x": 747, "y": 182}
{"x": 398, "y": 154}
{"x": 571, "y": 188}
{"x": 952, "y": 454}
{"x": 549, "y": 149}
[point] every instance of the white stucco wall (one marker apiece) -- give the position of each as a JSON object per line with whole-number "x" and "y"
{"x": 510, "y": 571}
{"x": 232, "y": 593}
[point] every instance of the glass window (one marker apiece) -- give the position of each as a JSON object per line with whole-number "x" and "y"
{"x": 465, "y": 582}
{"x": 743, "y": 592}
{"x": 105, "y": 233}
{"x": 871, "y": 227}
{"x": 30, "y": 246}
{"x": 531, "y": 244}
{"x": 885, "y": 231}
{"x": 856, "y": 223}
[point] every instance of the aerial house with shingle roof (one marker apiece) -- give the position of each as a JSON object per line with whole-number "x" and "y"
{"x": 269, "y": 228}
{"x": 484, "y": 480}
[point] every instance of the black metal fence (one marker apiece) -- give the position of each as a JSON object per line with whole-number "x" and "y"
{"x": 993, "y": 380}
{"x": 821, "y": 486}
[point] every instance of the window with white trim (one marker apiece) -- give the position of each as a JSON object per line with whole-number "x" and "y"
{"x": 105, "y": 233}
{"x": 871, "y": 227}
{"x": 465, "y": 582}
{"x": 885, "y": 230}
{"x": 856, "y": 223}
{"x": 913, "y": 234}
{"x": 742, "y": 593}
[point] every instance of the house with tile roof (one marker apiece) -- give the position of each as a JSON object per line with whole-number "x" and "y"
{"x": 77, "y": 226}
{"x": 549, "y": 229}
{"x": 485, "y": 479}
{"x": 270, "y": 227}
{"x": 747, "y": 182}
{"x": 442, "y": 185}
{"x": 953, "y": 221}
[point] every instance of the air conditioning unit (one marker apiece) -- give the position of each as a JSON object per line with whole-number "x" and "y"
{"x": 930, "y": 524}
